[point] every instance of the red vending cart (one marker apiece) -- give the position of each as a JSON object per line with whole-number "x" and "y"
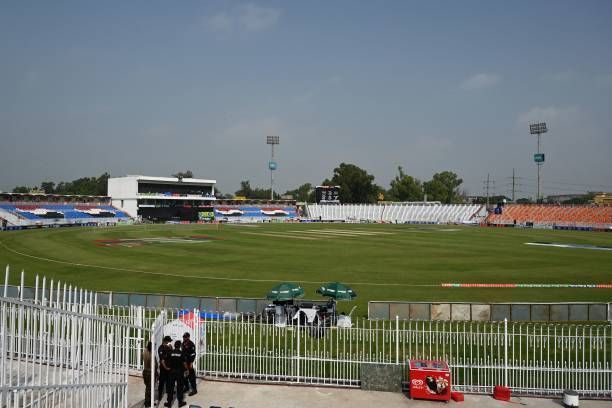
{"x": 429, "y": 379}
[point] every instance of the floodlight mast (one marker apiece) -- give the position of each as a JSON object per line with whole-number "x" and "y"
{"x": 272, "y": 140}
{"x": 538, "y": 129}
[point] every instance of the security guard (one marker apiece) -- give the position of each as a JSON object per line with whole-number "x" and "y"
{"x": 189, "y": 354}
{"x": 164, "y": 371}
{"x": 176, "y": 363}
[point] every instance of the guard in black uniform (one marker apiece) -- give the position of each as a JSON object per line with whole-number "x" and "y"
{"x": 176, "y": 362}
{"x": 164, "y": 371}
{"x": 189, "y": 354}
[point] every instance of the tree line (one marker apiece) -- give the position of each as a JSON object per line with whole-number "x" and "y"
{"x": 97, "y": 186}
{"x": 357, "y": 186}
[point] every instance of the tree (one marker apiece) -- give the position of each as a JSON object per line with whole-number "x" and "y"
{"x": 48, "y": 187}
{"x": 245, "y": 189}
{"x": 585, "y": 199}
{"x": 83, "y": 186}
{"x": 182, "y": 175}
{"x": 21, "y": 189}
{"x": 303, "y": 193}
{"x": 356, "y": 185}
{"x": 256, "y": 193}
{"x": 443, "y": 187}
{"x": 405, "y": 188}
{"x": 102, "y": 184}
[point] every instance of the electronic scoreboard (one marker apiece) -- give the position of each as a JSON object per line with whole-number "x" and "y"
{"x": 327, "y": 194}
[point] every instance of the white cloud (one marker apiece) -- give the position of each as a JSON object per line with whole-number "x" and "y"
{"x": 220, "y": 22}
{"x": 257, "y": 18}
{"x": 249, "y": 17}
{"x": 549, "y": 114}
{"x": 481, "y": 81}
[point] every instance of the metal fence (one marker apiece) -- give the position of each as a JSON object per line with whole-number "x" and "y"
{"x": 532, "y": 359}
{"x": 383, "y": 310}
{"x": 43, "y": 358}
{"x": 55, "y": 351}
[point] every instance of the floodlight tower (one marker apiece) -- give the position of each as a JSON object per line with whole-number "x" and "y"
{"x": 538, "y": 129}
{"x": 272, "y": 140}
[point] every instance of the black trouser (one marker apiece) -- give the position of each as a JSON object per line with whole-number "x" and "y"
{"x": 175, "y": 378}
{"x": 191, "y": 378}
{"x": 146, "y": 377}
{"x": 163, "y": 380}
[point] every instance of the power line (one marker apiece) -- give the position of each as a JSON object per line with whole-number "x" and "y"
{"x": 571, "y": 184}
{"x": 487, "y": 186}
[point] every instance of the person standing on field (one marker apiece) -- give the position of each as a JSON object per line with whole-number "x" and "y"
{"x": 176, "y": 363}
{"x": 189, "y": 354}
{"x": 164, "y": 371}
{"x": 146, "y": 373}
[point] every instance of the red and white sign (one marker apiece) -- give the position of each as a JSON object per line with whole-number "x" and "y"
{"x": 229, "y": 211}
{"x": 273, "y": 211}
{"x": 430, "y": 379}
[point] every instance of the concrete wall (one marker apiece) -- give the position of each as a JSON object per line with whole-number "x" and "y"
{"x": 491, "y": 311}
{"x": 381, "y": 377}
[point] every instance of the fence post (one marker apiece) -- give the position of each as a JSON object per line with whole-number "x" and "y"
{"x": 21, "y": 285}
{"x": 298, "y": 350}
{"x": 6, "y": 277}
{"x": 139, "y": 337}
{"x": 506, "y": 352}
{"x": 36, "y": 290}
{"x": 197, "y": 340}
{"x": 154, "y": 347}
{"x": 396, "y": 340}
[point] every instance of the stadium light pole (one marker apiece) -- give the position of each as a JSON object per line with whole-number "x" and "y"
{"x": 538, "y": 129}
{"x": 272, "y": 141}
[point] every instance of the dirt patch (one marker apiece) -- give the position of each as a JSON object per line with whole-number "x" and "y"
{"x": 571, "y": 246}
{"x": 136, "y": 242}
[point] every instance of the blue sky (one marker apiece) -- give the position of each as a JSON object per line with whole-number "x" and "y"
{"x": 157, "y": 87}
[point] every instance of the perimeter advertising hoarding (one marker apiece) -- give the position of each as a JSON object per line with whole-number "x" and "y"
{"x": 206, "y": 215}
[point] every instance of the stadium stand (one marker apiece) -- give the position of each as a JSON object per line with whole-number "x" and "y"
{"x": 553, "y": 215}
{"x": 26, "y": 211}
{"x": 255, "y": 213}
{"x": 402, "y": 213}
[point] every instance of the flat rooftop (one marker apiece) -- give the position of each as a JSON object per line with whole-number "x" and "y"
{"x": 167, "y": 180}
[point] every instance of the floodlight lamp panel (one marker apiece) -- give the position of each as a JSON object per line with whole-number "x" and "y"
{"x": 538, "y": 128}
{"x": 272, "y": 140}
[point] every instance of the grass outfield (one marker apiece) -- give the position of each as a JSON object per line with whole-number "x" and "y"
{"x": 381, "y": 262}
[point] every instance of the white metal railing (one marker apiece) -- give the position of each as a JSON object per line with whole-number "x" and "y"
{"x": 56, "y": 351}
{"x": 157, "y": 334}
{"x": 63, "y": 348}
{"x": 532, "y": 359}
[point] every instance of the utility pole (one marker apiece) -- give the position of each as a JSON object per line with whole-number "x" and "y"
{"x": 487, "y": 186}
{"x": 538, "y": 129}
{"x": 513, "y": 185}
{"x": 272, "y": 140}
